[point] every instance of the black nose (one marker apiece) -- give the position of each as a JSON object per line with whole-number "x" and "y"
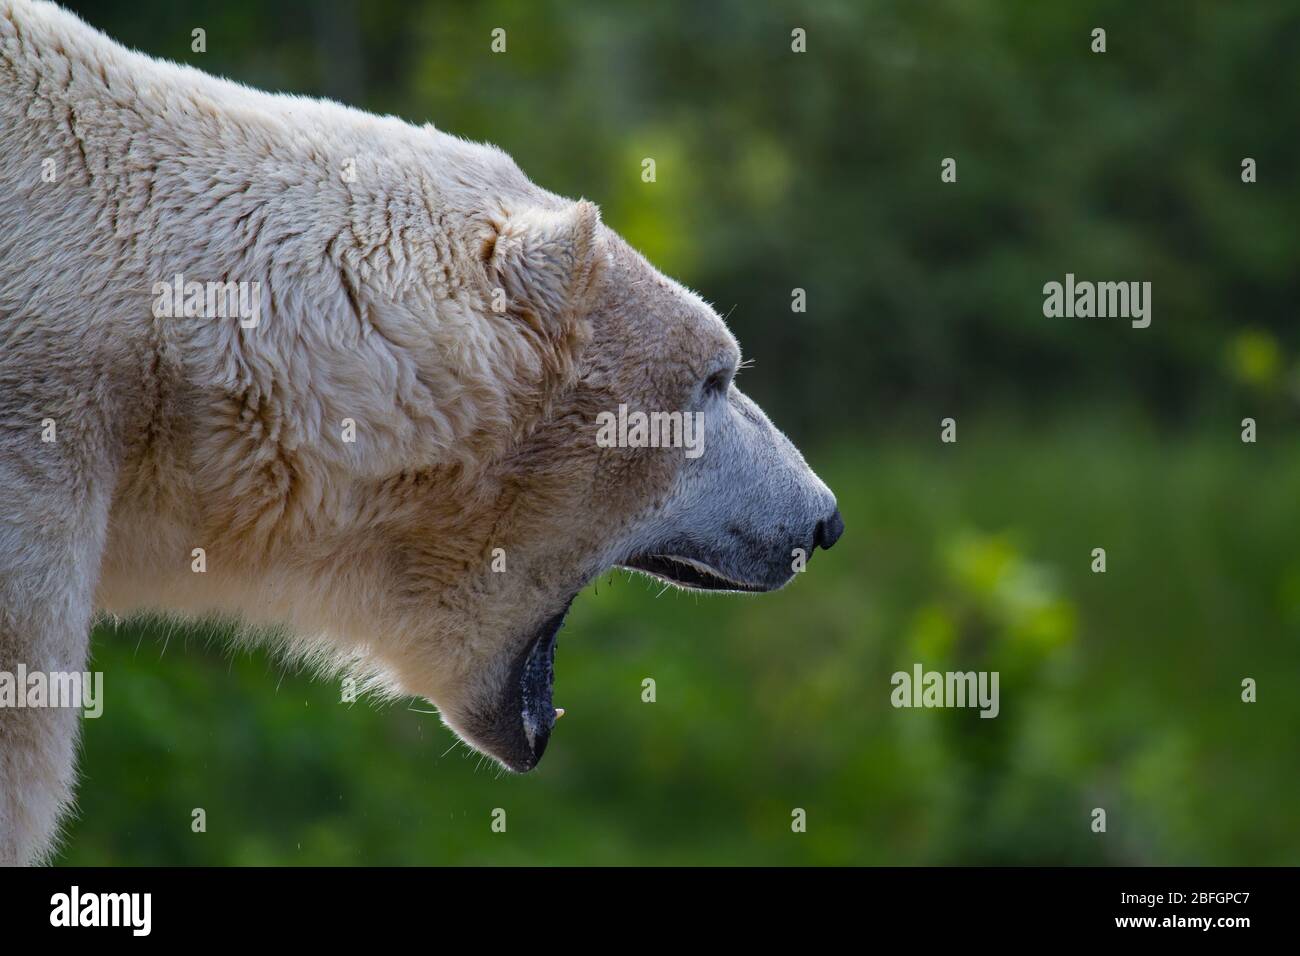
{"x": 829, "y": 531}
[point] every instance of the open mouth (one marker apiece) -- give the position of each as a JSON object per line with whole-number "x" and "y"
{"x": 688, "y": 573}
{"x": 521, "y": 746}
{"x": 536, "y": 681}
{"x": 520, "y": 727}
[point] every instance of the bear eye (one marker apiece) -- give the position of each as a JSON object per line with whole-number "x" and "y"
{"x": 716, "y": 384}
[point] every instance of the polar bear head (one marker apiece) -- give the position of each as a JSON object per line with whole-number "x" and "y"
{"x": 469, "y": 398}
{"x": 526, "y": 403}
{"x": 637, "y": 451}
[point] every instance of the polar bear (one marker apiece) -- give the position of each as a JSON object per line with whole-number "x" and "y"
{"x": 379, "y": 436}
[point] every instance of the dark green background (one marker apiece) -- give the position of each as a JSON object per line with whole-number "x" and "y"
{"x": 821, "y": 171}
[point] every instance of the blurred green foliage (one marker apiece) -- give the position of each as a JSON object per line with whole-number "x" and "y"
{"x": 821, "y": 171}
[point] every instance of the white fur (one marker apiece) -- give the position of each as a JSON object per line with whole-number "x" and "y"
{"x": 159, "y": 170}
{"x": 380, "y": 248}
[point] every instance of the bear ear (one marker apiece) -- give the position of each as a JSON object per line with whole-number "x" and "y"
{"x": 541, "y": 262}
